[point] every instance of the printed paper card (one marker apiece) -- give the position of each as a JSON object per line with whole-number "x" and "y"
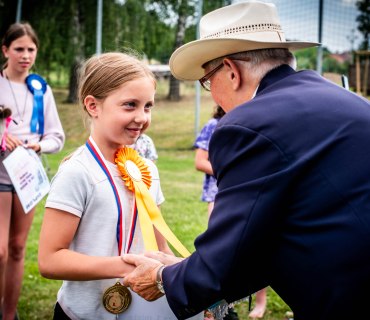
{"x": 28, "y": 176}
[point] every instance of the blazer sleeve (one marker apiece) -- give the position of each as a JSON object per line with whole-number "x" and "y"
{"x": 232, "y": 257}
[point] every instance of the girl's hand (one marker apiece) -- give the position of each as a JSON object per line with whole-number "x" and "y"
{"x": 34, "y": 146}
{"x": 164, "y": 258}
{"x": 12, "y": 142}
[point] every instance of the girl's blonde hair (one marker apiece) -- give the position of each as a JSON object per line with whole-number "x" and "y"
{"x": 104, "y": 73}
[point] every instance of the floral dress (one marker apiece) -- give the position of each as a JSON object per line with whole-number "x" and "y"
{"x": 202, "y": 142}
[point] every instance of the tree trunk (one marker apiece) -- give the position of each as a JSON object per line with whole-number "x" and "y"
{"x": 78, "y": 42}
{"x": 73, "y": 83}
{"x": 174, "y": 92}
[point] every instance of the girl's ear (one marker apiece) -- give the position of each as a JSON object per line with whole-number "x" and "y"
{"x": 91, "y": 105}
{"x": 4, "y": 49}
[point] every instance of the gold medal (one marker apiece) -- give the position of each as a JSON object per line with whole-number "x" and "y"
{"x": 117, "y": 298}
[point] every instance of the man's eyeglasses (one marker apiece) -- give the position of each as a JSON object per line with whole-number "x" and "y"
{"x": 205, "y": 81}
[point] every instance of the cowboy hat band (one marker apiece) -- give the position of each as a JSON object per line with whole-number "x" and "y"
{"x": 235, "y": 28}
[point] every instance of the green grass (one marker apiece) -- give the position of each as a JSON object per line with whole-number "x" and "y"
{"x": 172, "y": 130}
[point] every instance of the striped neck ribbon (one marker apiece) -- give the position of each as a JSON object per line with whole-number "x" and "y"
{"x": 99, "y": 158}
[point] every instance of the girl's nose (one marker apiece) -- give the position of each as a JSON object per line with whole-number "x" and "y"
{"x": 25, "y": 54}
{"x": 141, "y": 116}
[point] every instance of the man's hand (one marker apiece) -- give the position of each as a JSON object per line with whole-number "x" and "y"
{"x": 164, "y": 258}
{"x": 143, "y": 279}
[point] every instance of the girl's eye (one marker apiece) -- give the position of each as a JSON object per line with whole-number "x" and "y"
{"x": 31, "y": 50}
{"x": 148, "y": 106}
{"x": 130, "y": 104}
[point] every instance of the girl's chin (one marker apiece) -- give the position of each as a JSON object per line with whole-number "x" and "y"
{"x": 131, "y": 141}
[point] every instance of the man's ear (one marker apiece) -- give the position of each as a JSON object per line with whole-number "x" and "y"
{"x": 91, "y": 105}
{"x": 233, "y": 73}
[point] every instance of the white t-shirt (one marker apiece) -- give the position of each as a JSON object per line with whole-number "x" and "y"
{"x": 82, "y": 188}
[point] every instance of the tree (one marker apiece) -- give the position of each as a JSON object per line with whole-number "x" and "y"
{"x": 152, "y": 28}
{"x": 363, "y": 20}
{"x": 185, "y": 31}
{"x": 183, "y": 12}
{"x": 78, "y": 41}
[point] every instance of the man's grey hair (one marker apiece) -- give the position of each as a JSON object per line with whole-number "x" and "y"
{"x": 260, "y": 62}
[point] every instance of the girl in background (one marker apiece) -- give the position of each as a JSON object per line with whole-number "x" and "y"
{"x": 19, "y": 47}
{"x": 145, "y": 146}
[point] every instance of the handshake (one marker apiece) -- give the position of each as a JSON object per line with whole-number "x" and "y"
{"x": 146, "y": 278}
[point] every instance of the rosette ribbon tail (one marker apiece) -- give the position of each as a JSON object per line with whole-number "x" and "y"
{"x": 145, "y": 200}
{"x": 137, "y": 178}
{"x": 147, "y": 230}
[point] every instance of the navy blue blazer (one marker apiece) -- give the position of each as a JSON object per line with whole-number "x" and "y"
{"x": 293, "y": 207}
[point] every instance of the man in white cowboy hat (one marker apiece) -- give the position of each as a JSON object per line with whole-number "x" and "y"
{"x": 293, "y": 169}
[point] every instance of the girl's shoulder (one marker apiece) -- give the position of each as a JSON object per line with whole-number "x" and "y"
{"x": 80, "y": 165}
{"x": 152, "y": 168}
{"x": 212, "y": 122}
{"x": 73, "y": 162}
{"x": 208, "y": 129}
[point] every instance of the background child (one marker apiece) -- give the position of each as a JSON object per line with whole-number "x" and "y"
{"x": 202, "y": 161}
{"x": 82, "y": 231}
{"x": 19, "y": 47}
{"x": 145, "y": 146}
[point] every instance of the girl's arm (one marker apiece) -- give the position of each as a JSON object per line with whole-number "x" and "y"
{"x": 202, "y": 162}
{"x": 162, "y": 243}
{"x": 57, "y": 261}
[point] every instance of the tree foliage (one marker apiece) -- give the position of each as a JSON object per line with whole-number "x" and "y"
{"x": 67, "y": 28}
{"x": 363, "y": 20}
{"x": 67, "y": 31}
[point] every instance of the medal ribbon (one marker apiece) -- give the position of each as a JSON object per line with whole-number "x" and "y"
{"x": 37, "y": 85}
{"x": 91, "y": 146}
{"x": 132, "y": 229}
{"x": 137, "y": 178}
{"x": 37, "y": 120}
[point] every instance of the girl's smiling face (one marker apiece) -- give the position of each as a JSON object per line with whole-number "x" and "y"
{"x": 124, "y": 114}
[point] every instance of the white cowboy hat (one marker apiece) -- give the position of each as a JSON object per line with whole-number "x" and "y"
{"x": 235, "y": 28}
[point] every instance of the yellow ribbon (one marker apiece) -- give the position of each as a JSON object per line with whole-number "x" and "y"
{"x": 137, "y": 178}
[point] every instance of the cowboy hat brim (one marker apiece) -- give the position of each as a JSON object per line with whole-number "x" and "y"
{"x": 187, "y": 61}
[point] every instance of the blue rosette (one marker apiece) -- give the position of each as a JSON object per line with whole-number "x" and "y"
{"x": 37, "y": 85}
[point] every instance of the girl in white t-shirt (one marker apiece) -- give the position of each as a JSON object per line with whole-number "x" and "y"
{"x": 90, "y": 217}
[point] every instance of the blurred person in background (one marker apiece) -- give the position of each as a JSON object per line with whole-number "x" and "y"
{"x": 18, "y": 88}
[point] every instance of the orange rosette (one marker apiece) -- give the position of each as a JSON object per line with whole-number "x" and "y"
{"x": 123, "y": 158}
{"x": 137, "y": 178}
